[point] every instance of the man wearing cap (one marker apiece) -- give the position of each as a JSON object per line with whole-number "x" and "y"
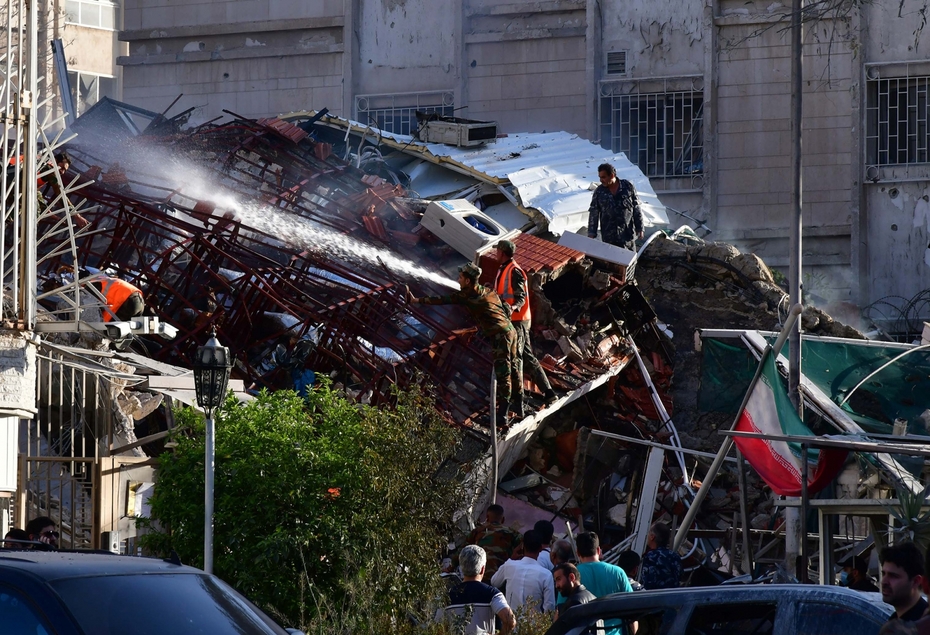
{"x": 511, "y": 285}
{"x": 493, "y": 318}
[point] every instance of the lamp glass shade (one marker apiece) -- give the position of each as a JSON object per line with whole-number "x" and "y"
{"x": 212, "y": 366}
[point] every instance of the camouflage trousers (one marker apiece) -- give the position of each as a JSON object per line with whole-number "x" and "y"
{"x": 504, "y": 353}
{"x": 526, "y": 358}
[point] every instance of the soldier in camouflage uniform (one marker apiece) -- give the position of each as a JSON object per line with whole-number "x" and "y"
{"x": 497, "y": 540}
{"x": 661, "y": 567}
{"x": 493, "y": 318}
{"x": 616, "y": 207}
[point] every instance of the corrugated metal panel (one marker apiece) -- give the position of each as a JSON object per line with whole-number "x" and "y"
{"x": 551, "y": 171}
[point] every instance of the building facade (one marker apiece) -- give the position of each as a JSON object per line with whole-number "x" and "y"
{"x": 696, "y": 92}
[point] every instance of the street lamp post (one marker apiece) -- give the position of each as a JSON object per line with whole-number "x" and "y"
{"x": 211, "y": 379}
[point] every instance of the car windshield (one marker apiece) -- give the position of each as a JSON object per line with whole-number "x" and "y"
{"x": 155, "y": 604}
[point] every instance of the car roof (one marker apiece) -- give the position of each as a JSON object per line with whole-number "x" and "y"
{"x": 675, "y": 598}
{"x": 57, "y": 565}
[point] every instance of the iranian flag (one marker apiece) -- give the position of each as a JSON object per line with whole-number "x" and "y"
{"x": 769, "y": 411}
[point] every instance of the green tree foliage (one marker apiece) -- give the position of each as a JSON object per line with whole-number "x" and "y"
{"x": 329, "y": 515}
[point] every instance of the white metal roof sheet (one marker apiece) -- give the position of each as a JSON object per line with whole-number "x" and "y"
{"x": 550, "y": 171}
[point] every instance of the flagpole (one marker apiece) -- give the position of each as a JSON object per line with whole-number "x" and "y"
{"x": 701, "y": 494}
{"x": 801, "y": 573}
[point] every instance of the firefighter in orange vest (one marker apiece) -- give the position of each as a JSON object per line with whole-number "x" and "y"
{"x": 512, "y": 287}
{"x": 124, "y": 300}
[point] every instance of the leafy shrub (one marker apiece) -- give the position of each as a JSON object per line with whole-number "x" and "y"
{"x": 328, "y": 514}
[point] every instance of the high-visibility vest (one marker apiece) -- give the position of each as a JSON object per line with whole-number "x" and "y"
{"x": 116, "y": 292}
{"x": 40, "y": 182}
{"x": 504, "y": 288}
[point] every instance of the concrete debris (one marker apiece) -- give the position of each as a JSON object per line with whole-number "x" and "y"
{"x": 266, "y": 236}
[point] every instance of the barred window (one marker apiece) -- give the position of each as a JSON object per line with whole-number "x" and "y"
{"x": 897, "y": 111}
{"x": 396, "y": 113}
{"x": 657, "y": 124}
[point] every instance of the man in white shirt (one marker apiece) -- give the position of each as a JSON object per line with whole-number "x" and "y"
{"x": 526, "y": 579}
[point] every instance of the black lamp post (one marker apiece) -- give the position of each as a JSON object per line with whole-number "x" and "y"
{"x": 211, "y": 379}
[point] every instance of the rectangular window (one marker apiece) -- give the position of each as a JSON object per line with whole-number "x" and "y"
{"x": 396, "y": 113}
{"x": 733, "y": 619}
{"x": 897, "y": 112}
{"x": 87, "y": 89}
{"x": 92, "y": 13}
{"x": 658, "y": 130}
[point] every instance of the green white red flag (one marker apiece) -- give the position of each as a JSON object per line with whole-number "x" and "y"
{"x": 769, "y": 411}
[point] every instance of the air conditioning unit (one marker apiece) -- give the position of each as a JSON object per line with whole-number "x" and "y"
{"x": 453, "y": 131}
{"x": 464, "y": 227}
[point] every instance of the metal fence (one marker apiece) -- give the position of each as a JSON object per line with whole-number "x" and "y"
{"x": 657, "y": 124}
{"x": 61, "y": 448}
{"x": 396, "y": 113}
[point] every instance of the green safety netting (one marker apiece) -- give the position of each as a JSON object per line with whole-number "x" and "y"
{"x": 900, "y": 391}
{"x": 726, "y": 371}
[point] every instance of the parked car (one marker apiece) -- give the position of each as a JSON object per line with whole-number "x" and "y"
{"x": 97, "y": 593}
{"x": 768, "y": 609}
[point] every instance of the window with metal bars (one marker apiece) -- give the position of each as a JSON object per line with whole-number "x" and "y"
{"x": 897, "y": 112}
{"x": 659, "y": 132}
{"x": 397, "y": 113}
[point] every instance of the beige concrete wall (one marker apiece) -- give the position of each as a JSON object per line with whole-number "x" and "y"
{"x": 753, "y": 147}
{"x": 528, "y": 86}
{"x": 148, "y": 14}
{"x": 526, "y": 66}
{"x": 406, "y": 47}
{"x": 662, "y": 39}
{"x": 252, "y": 68}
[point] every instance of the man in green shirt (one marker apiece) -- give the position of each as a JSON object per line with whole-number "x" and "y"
{"x": 600, "y": 578}
{"x": 492, "y": 316}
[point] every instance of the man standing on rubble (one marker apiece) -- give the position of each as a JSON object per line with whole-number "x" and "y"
{"x": 493, "y": 318}
{"x": 512, "y": 286}
{"x": 615, "y": 207}
{"x": 498, "y": 540}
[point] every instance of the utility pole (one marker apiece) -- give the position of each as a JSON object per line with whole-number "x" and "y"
{"x": 794, "y": 529}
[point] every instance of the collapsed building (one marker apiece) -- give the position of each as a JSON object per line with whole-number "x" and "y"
{"x": 294, "y": 238}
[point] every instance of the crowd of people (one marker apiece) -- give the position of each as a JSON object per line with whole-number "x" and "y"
{"x": 531, "y": 571}
{"x": 504, "y": 572}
